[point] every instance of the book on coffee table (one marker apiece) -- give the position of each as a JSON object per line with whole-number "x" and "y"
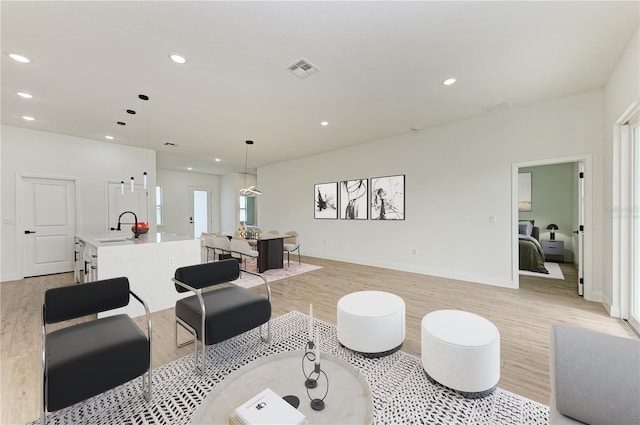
{"x": 267, "y": 407}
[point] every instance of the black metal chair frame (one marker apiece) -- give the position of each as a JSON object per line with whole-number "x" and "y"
{"x": 146, "y": 377}
{"x": 200, "y": 364}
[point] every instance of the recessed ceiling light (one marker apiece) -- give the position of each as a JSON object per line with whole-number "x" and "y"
{"x": 24, "y": 95}
{"x": 449, "y": 81}
{"x": 177, "y": 58}
{"x": 18, "y": 58}
{"x": 217, "y": 159}
{"x": 325, "y": 123}
{"x": 189, "y": 168}
{"x": 108, "y": 137}
{"x": 28, "y": 118}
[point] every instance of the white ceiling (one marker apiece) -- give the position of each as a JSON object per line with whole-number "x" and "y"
{"x": 381, "y": 67}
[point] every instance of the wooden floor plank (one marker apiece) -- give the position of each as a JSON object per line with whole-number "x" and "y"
{"x": 523, "y": 316}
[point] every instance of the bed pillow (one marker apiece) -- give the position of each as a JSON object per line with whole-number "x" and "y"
{"x": 525, "y": 228}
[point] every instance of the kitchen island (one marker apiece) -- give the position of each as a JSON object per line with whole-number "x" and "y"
{"x": 150, "y": 262}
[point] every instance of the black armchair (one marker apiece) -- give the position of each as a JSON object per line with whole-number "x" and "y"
{"x": 216, "y": 315}
{"x": 82, "y": 360}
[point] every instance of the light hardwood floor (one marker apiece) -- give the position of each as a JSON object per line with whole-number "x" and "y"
{"x": 523, "y": 316}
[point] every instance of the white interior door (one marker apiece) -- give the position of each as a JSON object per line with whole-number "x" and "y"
{"x": 49, "y": 225}
{"x": 199, "y": 210}
{"x": 580, "y": 230}
{"x": 634, "y": 296}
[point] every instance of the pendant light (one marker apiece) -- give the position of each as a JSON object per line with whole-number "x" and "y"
{"x": 144, "y": 141}
{"x": 144, "y": 174}
{"x": 252, "y": 191}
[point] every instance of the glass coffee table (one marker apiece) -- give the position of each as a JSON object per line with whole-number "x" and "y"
{"x": 348, "y": 400}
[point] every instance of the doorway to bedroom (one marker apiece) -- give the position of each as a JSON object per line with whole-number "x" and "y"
{"x": 549, "y": 212}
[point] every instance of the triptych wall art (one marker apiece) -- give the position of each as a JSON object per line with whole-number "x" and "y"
{"x": 377, "y": 198}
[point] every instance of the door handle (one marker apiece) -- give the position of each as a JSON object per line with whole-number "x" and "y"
{"x": 26, "y": 232}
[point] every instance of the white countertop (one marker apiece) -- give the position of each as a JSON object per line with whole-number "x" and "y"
{"x": 127, "y": 238}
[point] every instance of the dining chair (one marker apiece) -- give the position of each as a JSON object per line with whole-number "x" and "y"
{"x": 240, "y": 249}
{"x": 253, "y": 242}
{"x": 222, "y": 246}
{"x": 209, "y": 244}
{"x": 291, "y": 244}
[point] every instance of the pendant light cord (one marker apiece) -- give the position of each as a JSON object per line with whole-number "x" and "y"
{"x": 246, "y": 159}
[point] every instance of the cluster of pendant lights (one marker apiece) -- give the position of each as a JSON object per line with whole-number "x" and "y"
{"x": 145, "y": 98}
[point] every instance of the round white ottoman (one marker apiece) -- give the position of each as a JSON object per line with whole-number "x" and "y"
{"x": 461, "y": 350}
{"x": 371, "y": 322}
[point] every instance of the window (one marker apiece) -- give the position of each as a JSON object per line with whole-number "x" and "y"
{"x": 247, "y": 210}
{"x": 243, "y": 209}
{"x": 159, "y": 205}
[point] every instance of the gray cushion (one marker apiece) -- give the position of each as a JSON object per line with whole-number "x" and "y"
{"x": 89, "y": 358}
{"x": 597, "y": 376}
{"x": 230, "y": 311}
{"x": 525, "y": 228}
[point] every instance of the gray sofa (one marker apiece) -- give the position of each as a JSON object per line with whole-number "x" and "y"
{"x": 595, "y": 378}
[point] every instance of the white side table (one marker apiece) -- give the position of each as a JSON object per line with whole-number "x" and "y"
{"x": 371, "y": 322}
{"x": 461, "y": 351}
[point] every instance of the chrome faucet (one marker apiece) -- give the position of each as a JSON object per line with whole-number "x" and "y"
{"x": 135, "y": 232}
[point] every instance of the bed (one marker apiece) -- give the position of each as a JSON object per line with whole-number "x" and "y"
{"x": 530, "y": 251}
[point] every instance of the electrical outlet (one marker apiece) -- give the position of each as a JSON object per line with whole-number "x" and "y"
{"x": 492, "y": 219}
{"x": 172, "y": 261}
{"x": 414, "y": 251}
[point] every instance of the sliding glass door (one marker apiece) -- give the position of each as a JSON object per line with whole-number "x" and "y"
{"x": 634, "y": 308}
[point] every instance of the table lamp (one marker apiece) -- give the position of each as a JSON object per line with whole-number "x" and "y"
{"x": 552, "y": 227}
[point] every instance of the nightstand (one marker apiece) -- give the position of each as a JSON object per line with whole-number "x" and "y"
{"x": 554, "y": 248}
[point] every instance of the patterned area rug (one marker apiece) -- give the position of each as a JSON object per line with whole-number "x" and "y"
{"x": 248, "y": 281}
{"x": 402, "y": 394}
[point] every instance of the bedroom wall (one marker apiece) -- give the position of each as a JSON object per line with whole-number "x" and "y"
{"x": 552, "y": 201}
{"x": 458, "y": 191}
{"x": 91, "y": 163}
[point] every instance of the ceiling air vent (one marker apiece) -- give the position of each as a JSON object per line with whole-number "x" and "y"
{"x": 497, "y": 107}
{"x": 303, "y": 68}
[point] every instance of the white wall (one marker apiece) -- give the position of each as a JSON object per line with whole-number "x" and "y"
{"x": 175, "y": 189}
{"x": 621, "y": 91}
{"x": 91, "y": 163}
{"x": 230, "y": 186}
{"x": 457, "y": 176}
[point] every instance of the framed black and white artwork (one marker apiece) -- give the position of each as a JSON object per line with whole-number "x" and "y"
{"x": 387, "y": 198}
{"x": 325, "y": 200}
{"x": 524, "y": 192}
{"x": 353, "y": 199}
